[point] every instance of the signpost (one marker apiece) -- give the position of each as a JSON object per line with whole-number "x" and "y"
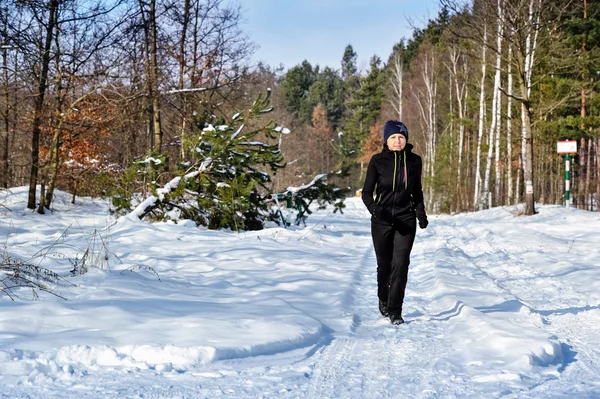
{"x": 567, "y": 147}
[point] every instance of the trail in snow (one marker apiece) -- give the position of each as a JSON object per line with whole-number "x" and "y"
{"x": 568, "y": 308}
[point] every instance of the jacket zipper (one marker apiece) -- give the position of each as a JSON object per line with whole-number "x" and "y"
{"x": 394, "y": 184}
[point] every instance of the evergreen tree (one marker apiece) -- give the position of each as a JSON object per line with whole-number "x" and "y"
{"x": 349, "y": 63}
{"x": 223, "y": 183}
{"x": 327, "y": 90}
{"x": 295, "y": 86}
{"x": 365, "y": 106}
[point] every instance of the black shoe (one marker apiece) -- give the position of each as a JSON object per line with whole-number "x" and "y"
{"x": 383, "y": 308}
{"x": 396, "y": 319}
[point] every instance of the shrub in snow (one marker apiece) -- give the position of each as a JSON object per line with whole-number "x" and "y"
{"x": 17, "y": 274}
{"x": 316, "y": 191}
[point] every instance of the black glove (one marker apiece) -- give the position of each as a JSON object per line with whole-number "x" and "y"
{"x": 421, "y": 215}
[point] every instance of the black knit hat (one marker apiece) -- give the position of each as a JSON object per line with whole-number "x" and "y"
{"x": 394, "y": 127}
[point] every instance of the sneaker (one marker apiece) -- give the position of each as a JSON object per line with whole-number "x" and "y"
{"x": 383, "y": 308}
{"x": 396, "y": 319}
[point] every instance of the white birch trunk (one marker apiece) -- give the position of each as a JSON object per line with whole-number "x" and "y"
{"x": 460, "y": 98}
{"x": 527, "y": 75}
{"x": 484, "y": 202}
{"x": 497, "y": 184}
{"x": 509, "y": 191}
{"x": 526, "y": 131}
{"x": 426, "y": 102}
{"x": 481, "y": 116}
{"x": 396, "y": 81}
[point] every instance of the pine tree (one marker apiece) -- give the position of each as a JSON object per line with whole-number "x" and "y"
{"x": 365, "y": 105}
{"x": 295, "y": 86}
{"x": 327, "y": 90}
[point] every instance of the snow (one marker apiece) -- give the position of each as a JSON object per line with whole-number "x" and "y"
{"x": 292, "y": 189}
{"x": 238, "y": 131}
{"x": 282, "y": 130}
{"x": 170, "y": 186}
{"x": 497, "y": 305}
{"x": 153, "y": 160}
{"x": 142, "y": 206}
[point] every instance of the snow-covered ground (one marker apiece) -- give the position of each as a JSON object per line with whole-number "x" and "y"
{"x": 497, "y": 305}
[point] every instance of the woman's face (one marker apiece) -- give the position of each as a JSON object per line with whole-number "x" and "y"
{"x": 396, "y": 142}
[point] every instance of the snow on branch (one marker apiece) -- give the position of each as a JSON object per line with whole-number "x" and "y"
{"x": 151, "y": 203}
{"x": 294, "y": 190}
{"x": 238, "y": 131}
{"x": 199, "y": 89}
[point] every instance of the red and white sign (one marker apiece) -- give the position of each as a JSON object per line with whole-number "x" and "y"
{"x": 566, "y": 147}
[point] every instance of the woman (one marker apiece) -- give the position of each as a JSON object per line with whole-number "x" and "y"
{"x": 396, "y": 172}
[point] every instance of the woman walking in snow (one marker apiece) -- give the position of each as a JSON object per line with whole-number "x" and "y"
{"x": 395, "y": 174}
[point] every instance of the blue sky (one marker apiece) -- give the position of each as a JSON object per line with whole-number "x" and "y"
{"x": 289, "y": 31}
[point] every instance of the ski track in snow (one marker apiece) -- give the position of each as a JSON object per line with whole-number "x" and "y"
{"x": 486, "y": 317}
{"x": 574, "y": 325}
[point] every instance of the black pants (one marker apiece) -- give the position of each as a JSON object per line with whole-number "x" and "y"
{"x": 393, "y": 244}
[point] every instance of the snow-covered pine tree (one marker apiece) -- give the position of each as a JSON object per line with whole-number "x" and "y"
{"x": 224, "y": 181}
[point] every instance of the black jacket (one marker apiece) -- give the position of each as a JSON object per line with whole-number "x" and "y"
{"x": 399, "y": 198}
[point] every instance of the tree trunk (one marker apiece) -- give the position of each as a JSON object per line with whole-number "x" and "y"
{"x": 6, "y": 132}
{"x": 528, "y": 168}
{"x": 477, "y": 192}
{"x": 509, "y": 183}
{"x": 39, "y": 103}
{"x": 53, "y": 164}
{"x": 154, "y": 79}
{"x": 495, "y": 124}
{"x": 585, "y": 193}
{"x": 588, "y": 175}
{"x": 6, "y": 113}
{"x": 460, "y": 100}
{"x": 598, "y": 174}
{"x": 42, "y": 206}
{"x": 526, "y": 63}
{"x": 182, "y": 67}
{"x": 396, "y": 81}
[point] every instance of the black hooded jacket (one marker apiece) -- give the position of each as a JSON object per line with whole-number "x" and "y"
{"x": 400, "y": 198}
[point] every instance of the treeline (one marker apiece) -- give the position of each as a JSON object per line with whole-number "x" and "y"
{"x": 486, "y": 90}
{"x": 90, "y": 87}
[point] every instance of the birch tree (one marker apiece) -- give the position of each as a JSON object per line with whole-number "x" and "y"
{"x": 495, "y": 122}
{"x": 426, "y": 97}
{"x": 526, "y": 34}
{"x": 509, "y": 84}
{"x": 477, "y": 193}
{"x": 396, "y": 78}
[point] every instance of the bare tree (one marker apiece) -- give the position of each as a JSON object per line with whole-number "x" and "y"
{"x": 459, "y": 72}
{"x": 495, "y": 123}
{"x": 477, "y": 193}
{"x": 396, "y": 79}
{"x": 6, "y": 111}
{"x": 148, "y": 14}
{"x": 50, "y": 15}
{"x": 426, "y": 98}
{"x": 509, "y": 182}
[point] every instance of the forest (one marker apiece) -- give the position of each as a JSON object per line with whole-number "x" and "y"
{"x": 127, "y": 99}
